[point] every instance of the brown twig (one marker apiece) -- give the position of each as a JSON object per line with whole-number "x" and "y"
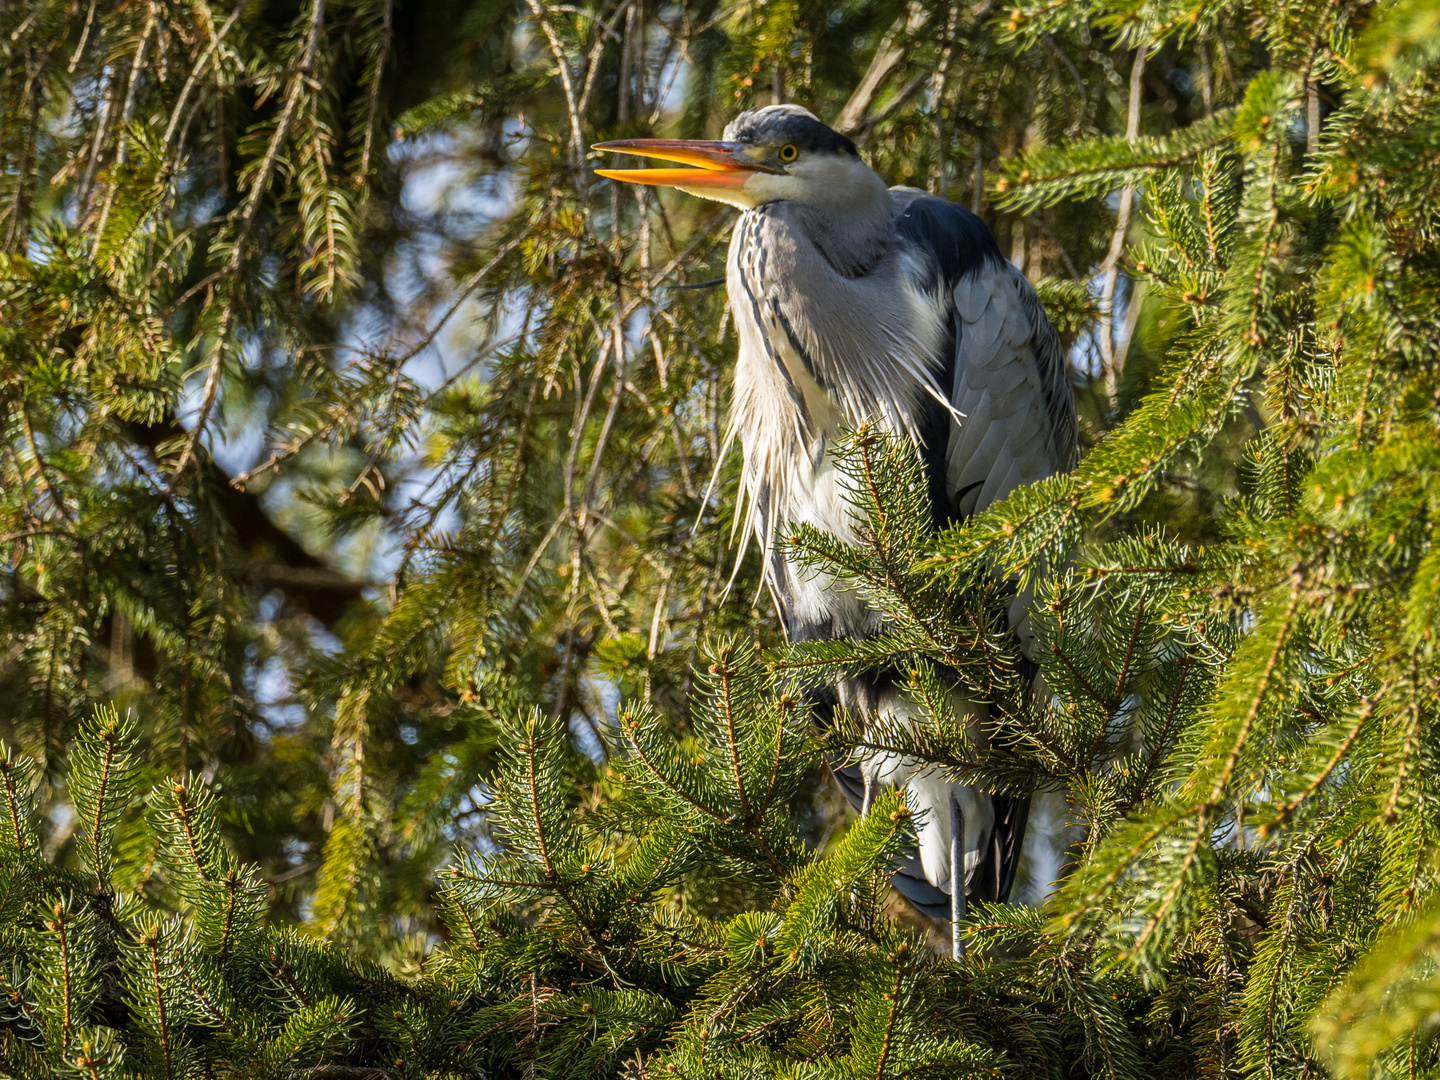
{"x": 1111, "y": 361}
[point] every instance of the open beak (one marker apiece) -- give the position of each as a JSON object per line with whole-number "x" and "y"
{"x": 726, "y": 165}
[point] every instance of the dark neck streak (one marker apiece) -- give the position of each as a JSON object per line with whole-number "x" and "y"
{"x": 750, "y": 246}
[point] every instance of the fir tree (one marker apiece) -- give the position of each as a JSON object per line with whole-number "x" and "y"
{"x": 450, "y": 743}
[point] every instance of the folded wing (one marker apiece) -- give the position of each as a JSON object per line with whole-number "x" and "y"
{"x": 1013, "y": 423}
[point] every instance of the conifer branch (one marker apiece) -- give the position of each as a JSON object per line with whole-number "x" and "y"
{"x": 230, "y": 883}
{"x": 283, "y": 969}
{"x": 1286, "y": 810}
{"x": 107, "y": 736}
{"x": 248, "y": 216}
{"x": 1259, "y": 693}
{"x": 150, "y": 941}
{"x": 1407, "y": 751}
{"x": 530, "y": 748}
{"x": 8, "y": 769}
{"x": 894, "y": 998}
{"x": 1098, "y": 1018}
{"x": 562, "y": 69}
{"x": 200, "y": 64}
{"x": 214, "y": 1012}
{"x": 1096, "y": 695}
{"x": 775, "y": 764}
{"x": 183, "y": 815}
{"x": 671, "y": 786}
{"x": 732, "y": 740}
{"x": 46, "y": 488}
{"x": 66, "y": 974}
{"x": 1161, "y": 745}
{"x": 1116, "y": 698}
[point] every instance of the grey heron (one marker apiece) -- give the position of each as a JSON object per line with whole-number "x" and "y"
{"x": 860, "y": 303}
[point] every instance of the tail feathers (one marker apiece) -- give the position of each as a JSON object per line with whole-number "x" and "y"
{"x": 852, "y": 784}
{"x": 995, "y": 876}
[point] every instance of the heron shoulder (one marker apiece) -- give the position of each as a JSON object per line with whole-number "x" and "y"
{"x": 955, "y": 240}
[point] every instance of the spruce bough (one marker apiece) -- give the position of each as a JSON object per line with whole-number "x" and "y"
{"x": 680, "y": 921}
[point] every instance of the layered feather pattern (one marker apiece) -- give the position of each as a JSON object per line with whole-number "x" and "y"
{"x": 920, "y": 328}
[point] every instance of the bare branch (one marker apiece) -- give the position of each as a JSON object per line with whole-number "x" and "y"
{"x": 1110, "y": 269}
{"x": 886, "y": 59}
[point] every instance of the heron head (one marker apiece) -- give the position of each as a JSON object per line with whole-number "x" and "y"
{"x": 781, "y": 152}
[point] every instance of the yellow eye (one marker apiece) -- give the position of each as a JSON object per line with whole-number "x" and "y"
{"x": 788, "y": 153}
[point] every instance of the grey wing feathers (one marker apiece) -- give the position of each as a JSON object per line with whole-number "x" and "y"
{"x": 1009, "y": 384}
{"x": 1017, "y": 412}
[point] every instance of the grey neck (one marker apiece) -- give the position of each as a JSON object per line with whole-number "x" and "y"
{"x": 852, "y": 234}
